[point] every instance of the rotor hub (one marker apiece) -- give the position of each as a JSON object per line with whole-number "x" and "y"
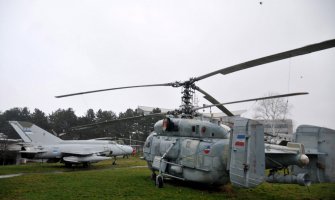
{"x": 187, "y": 95}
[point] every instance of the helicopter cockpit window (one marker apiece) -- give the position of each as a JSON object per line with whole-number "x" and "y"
{"x": 168, "y": 125}
{"x": 195, "y": 129}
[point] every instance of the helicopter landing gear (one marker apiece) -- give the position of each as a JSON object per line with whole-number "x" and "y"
{"x": 159, "y": 181}
{"x": 153, "y": 176}
{"x": 114, "y": 162}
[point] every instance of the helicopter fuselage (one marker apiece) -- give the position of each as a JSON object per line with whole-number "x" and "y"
{"x": 189, "y": 149}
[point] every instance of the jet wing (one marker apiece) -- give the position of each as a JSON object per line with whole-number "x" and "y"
{"x": 291, "y": 148}
{"x": 85, "y": 159}
{"x": 32, "y": 152}
{"x": 84, "y": 152}
{"x": 84, "y": 156}
{"x": 10, "y": 141}
{"x": 314, "y": 152}
{"x": 278, "y": 156}
{"x": 79, "y": 153}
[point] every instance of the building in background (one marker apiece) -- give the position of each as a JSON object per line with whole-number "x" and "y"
{"x": 276, "y": 131}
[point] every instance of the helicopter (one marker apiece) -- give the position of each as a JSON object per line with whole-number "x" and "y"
{"x": 184, "y": 146}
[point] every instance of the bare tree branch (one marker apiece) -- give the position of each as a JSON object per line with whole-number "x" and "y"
{"x": 272, "y": 111}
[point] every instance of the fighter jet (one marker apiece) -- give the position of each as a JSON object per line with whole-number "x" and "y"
{"x": 40, "y": 144}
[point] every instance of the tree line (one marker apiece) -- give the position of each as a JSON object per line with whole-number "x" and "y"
{"x": 60, "y": 122}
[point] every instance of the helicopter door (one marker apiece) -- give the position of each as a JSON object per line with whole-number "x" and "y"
{"x": 247, "y": 157}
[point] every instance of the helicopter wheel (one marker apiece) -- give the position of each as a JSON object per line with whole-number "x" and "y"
{"x": 159, "y": 181}
{"x": 153, "y": 176}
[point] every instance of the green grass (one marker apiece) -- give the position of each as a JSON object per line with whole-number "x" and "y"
{"x": 59, "y": 167}
{"x": 103, "y": 181}
{"x": 31, "y": 168}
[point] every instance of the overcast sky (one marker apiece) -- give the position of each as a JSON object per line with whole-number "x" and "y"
{"x": 49, "y": 48}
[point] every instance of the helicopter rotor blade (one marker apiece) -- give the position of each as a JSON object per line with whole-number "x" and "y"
{"x": 117, "y": 88}
{"x": 255, "y": 99}
{"x": 272, "y": 58}
{"x": 214, "y": 101}
{"x": 92, "y": 125}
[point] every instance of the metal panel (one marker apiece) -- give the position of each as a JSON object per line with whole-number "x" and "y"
{"x": 188, "y": 152}
{"x": 319, "y": 146}
{"x": 327, "y": 145}
{"x": 247, "y": 164}
{"x": 204, "y": 158}
{"x": 165, "y": 145}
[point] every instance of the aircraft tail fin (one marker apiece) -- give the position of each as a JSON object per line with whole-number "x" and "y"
{"x": 33, "y": 134}
{"x": 247, "y": 158}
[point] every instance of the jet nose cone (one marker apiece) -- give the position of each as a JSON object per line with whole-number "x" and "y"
{"x": 129, "y": 149}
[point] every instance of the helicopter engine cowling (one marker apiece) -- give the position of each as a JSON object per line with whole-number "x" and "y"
{"x": 190, "y": 128}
